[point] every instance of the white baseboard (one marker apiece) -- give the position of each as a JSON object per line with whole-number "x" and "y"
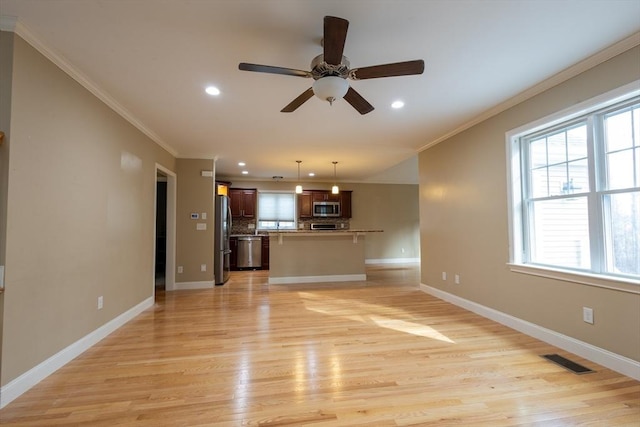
{"x": 391, "y": 261}
{"x": 180, "y": 286}
{"x": 317, "y": 279}
{"x": 606, "y": 358}
{"x": 24, "y": 382}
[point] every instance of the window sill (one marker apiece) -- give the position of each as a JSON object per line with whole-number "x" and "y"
{"x": 621, "y": 284}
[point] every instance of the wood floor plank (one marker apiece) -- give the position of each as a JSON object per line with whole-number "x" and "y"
{"x": 377, "y": 353}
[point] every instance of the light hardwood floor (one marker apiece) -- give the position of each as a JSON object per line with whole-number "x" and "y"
{"x": 375, "y": 353}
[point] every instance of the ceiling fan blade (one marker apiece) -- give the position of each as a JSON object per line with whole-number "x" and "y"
{"x": 293, "y": 105}
{"x": 335, "y": 34}
{"x": 273, "y": 70}
{"x": 388, "y": 70}
{"x": 358, "y": 102}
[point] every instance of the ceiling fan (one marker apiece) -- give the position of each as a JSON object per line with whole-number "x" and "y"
{"x": 331, "y": 69}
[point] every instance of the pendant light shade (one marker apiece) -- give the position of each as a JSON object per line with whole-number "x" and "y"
{"x": 299, "y": 186}
{"x": 335, "y": 189}
{"x": 330, "y": 88}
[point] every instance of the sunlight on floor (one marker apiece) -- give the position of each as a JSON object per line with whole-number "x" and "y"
{"x": 382, "y": 316}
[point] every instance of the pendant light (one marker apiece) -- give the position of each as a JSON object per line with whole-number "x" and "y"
{"x": 334, "y": 189}
{"x": 299, "y": 186}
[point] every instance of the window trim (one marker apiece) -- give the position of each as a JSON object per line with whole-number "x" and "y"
{"x": 515, "y": 189}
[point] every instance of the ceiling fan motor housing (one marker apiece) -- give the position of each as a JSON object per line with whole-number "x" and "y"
{"x": 320, "y": 69}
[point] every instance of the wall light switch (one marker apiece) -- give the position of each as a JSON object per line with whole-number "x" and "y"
{"x": 456, "y": 279}
{"x": 180, "y": 269}
{"x": 203, "y": 215}
{"x": 201, "y": 226}
{"x": 444, "y": 275}
{"x": 1, "y": 276}
{"x": 100, "y": 302}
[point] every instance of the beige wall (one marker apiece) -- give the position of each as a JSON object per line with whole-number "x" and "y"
{"x": 80, "y": 220}
{"x": 6, "y": 70}
{"x": 195, "y": 195}
{"x": 464, "y": 229}
{"x": 390, "y": 207}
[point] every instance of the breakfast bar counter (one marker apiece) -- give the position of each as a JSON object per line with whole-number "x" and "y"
{"x": 317, "y": 256}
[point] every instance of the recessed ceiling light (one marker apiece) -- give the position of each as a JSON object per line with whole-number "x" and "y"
{"x": 242, "y": 164}
{"x": 312, "y": 174}
{"x": 397, "y": 104}
{"x": 245, "y": 172}
{"x": 212, "y": 90}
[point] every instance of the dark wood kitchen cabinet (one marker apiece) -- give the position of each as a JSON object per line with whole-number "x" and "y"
{"x": 233, "y": 256}
{"x": 325, "y": 196}
{"x": 243, "y": 202}
{"x": 265, "y": 252}
{"x": 345, "y": 204}
{"x": 305, "y": 205}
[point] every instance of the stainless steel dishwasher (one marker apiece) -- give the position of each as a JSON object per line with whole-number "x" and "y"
{"x": 249, "y": 252}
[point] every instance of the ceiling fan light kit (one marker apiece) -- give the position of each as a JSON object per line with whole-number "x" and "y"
{"x": 330, "y": 71}
{"x": 330, "y": 88}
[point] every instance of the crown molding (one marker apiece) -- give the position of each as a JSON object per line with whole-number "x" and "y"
{"x": 564, "y": 75}
{"x": 60, "y": 61}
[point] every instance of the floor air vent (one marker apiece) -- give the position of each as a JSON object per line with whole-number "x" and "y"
{"x": 567, "y": 364}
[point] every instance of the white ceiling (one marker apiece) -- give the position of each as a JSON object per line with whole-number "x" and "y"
{"x": 151, "y": 60}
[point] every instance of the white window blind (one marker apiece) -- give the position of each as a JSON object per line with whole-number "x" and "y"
{"x": 276, "y": 210}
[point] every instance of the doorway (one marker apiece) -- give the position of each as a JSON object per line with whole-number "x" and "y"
{"x": 161, "y": 231}
{"x": 165, "y": 230}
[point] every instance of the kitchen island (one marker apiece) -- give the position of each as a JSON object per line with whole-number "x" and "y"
{"x": 317, "y": 256}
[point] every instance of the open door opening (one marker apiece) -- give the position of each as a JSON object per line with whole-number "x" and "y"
{"x": 165, "y": 232}
{"x": 161, "y": 232}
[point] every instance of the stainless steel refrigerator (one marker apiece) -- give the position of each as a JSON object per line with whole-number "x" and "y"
{"x": 221, "y": 250}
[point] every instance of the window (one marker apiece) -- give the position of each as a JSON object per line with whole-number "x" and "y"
{"x": 575, "y": 189}
{"x": 276, "y": 211}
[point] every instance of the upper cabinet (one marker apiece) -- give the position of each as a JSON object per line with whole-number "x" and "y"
{"x": 306, "y": 199}
{"x": 345, "y": 204}
{"x": 305, "y": 204}
{"x": 242, "y": 202}
{"x": 325, "y": 196}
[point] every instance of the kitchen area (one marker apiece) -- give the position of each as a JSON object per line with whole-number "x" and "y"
{"x": 319, "y": 214}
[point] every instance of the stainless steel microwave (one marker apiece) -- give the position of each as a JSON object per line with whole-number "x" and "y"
{"x": 326, "y": 209}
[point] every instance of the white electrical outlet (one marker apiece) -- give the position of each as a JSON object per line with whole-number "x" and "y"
{"x": 203, "y": 267}
{"x": 402, "y": 250}
{"x": 444, "y": 275}
{"x": 180, "y": 269}
{"x": 456, "y": 279}
{"x": 587, "y": 314}
{"x": 100, "y": 302}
